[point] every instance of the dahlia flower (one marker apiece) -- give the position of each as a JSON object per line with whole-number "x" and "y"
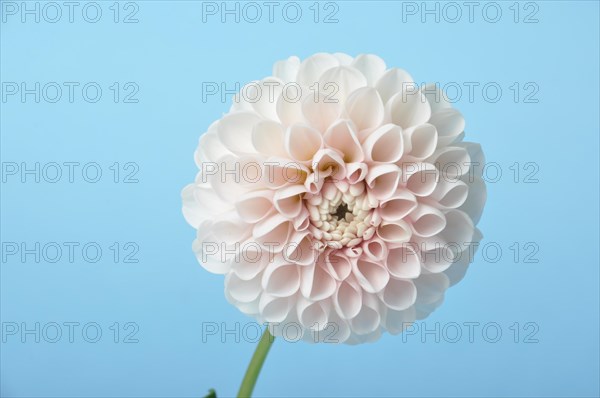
{"x": 337, "y": 197}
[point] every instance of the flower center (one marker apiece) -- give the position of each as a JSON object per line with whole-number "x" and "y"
{"x": 340, "y": 219}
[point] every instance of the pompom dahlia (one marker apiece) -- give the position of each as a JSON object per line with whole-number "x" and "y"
{"x": 337, "y": 197}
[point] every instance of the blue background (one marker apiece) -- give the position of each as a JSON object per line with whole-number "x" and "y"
{"x": 168, "y": 54}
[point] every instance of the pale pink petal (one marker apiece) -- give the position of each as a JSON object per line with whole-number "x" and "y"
{"x": 254, "y": 206}
{"x": 383, "y": 180}
{"x": 355, "y": 173}
{"x": 375, "y": 249}
{"x": 371, "y": 276}
{"x": 300, "y": 249}
{"x": 316, "y": 283}
{"x": 288, "y": 200}
{"x": 281, "y": 279}
{"x": 272, "y": 232}
{"x": 394, "y": 231}
{"x": 338, "y": 265}
{"x": 329, "y": 163}
{"x": 398, "y": 206}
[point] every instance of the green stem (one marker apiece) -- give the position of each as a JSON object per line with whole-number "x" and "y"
{"x": 256, "y": 363}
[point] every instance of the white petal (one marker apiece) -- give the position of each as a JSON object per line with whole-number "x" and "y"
{"x": 302, "y": 142}
{"x": 262, "y": 96}
{"x": 344, "y": 59}
{"x": 450, "y": 194}
{"x": 287, "y": 69}
{"x": 241, "y": 290}
{"x": 427, "y": 220}
{"x": 451, "y": 161}
{"x": 320, "y": 112}
{"x": 274, "y": 309}
{"x": 313, "y": 67}
{"x": 420, "y": 178}
{"x": 403, "y": 262}
{"x": 312, "y": 315}
{"x": 449, "y": 124}
{"x": 289, "y": 105}
{"x": 371, "y": 66}
{"x": 235, "y": 131}
{"x": 384, "y": 145}
{"x": 436, "y": 97}
{"x": 267, "y": 138}
{"x": 210, "y": 147}
{"x": 365, "y": 108}
{"x": 475, "y": 202}
{"x": 250, "y": 261}
{"x": 337, "y": 83}
{"x": 407, "y": 108}
{"x": 368, "y": 319}
{"x": 342, "y": 137}
{"x": 392, "y": 82}
{"x": 459, "y": 228}
{"x": 420, "y": 141}
{"x": 399, "y": 294}
{"x": 347, "y": 299}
